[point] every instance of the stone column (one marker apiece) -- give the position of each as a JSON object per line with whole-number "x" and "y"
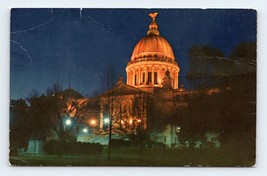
{"x": 128, "y": 77}
{"x": 146, "y": 75}
{"x": 152, "y": 76}
{"x": 133, "y": 77}
{"x": 173, "y": 79}
{"x": 139, "y": 75}
{"x": 177, "y": 80}
{"x": 161, "y": 75}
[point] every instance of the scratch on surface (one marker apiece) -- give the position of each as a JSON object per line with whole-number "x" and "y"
{"x": 237, "y": 60}
{"x": 32, "y": 28}
{"x": 102, "y": 24}
{"x": 81, "y": 15}
{"x": 27, "y": 53}
{"x": 18, "y": 159}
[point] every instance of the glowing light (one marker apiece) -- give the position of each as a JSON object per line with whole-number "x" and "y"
{"x": 68, "y": 122}
{"x": 106, "y": 120}
{"x": 130, "y": 121}
{"x": 122, "y": 122}
{"x": 139, "y": 120}
{"x": 85, "y": 130}
{"x": 93, "y": 122}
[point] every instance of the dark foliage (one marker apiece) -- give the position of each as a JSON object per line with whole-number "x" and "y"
{"x": 230, "y": 113}
{"x": 75, "y": 148}
{"x": 19, "y": 129}
{"x": 245, "y": 50}
{"x": 205, "y": 51}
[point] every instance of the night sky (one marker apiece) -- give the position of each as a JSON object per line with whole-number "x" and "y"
{"x": 51, "y": 44}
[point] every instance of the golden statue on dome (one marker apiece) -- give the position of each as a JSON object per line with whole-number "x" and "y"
{"x": 153, "y": 15}
{"x": 153, "y": 27}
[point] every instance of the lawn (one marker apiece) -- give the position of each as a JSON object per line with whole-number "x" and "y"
{"x": 133, "y": 157}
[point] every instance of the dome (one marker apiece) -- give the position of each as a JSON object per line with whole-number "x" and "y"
{"x": 153, "y": 45}
{"x": 151, "y": 58}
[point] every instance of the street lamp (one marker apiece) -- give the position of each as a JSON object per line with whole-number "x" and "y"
{"x": 93, "y": 122}
{"x": 106, "y": 120}
{"x": 178, "y": 129}
{"x": 68, "y": 122}
{"x": 85, "y": 137}
{"x": 85, "y": 130}
{"x": 130, "y": 121}
{"x": 65, "y": 122}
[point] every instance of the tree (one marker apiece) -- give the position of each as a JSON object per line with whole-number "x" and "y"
{"x": 142, "y": 112}
{"x": 115, "y": 110}
{"x": 108, "y": 76}
{"x": 110, "y": 102}
{"x": 54, "y": 89}
{"x": 33, "y": 94}
{"x": 206, "y": 63}
{"x": 45, "y": 113}
{"x": 239, "y": 122}
{"x": 245, "y": 50}
{"x": 19, "y": 129}
{"x": 245, "y": 54}
{"x": 49, "y": 114}
{"x": 124, "y": 112}
{"x": 204, "y": 51}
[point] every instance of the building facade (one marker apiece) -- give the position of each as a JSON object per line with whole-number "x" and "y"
{"x": 152, "y": 72}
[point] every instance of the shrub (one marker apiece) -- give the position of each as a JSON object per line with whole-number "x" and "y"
{"x": 74, "y": 148}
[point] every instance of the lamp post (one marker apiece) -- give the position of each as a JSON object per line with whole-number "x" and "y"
{"x": 93, "y": 122}
{"x": 178, "y": 130}
{"x": 85, "y": 130}
{"x": 85, "y": 134}
{"x": 106, "y": 120}
{"x": 66, "y": 123}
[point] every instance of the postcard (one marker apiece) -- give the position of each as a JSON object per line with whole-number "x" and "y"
{"x": 133, "y": 87}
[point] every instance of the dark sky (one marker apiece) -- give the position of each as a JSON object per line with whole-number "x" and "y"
{"x": 47, "y": 44}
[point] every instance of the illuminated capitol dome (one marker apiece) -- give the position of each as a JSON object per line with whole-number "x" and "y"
{"x": 153, "y": 63}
